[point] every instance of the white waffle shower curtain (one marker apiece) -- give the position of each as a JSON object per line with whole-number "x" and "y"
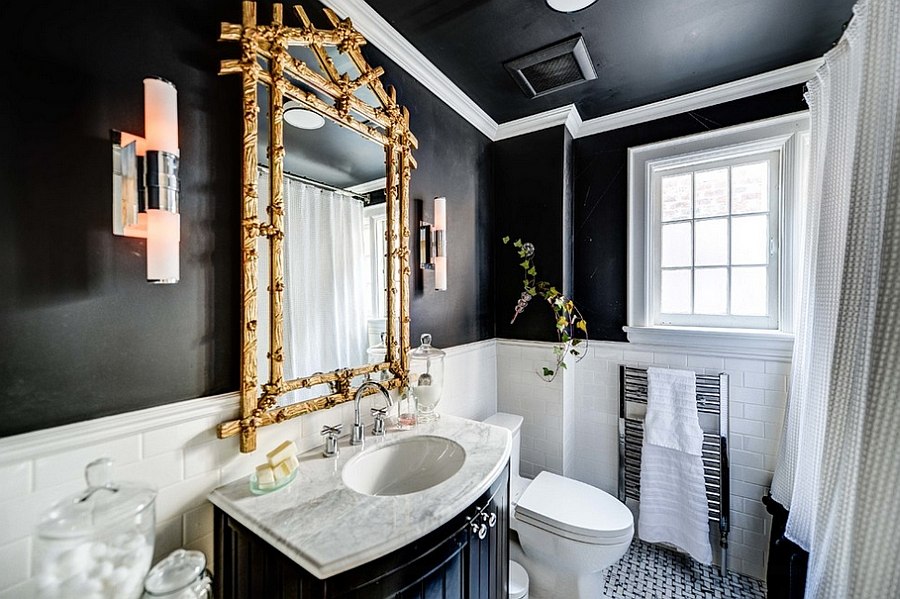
{"x": 839, "y": 462}
{"x": 325, "y": 302}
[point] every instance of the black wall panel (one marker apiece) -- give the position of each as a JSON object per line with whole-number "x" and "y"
{"x": 82, "y": 335}
{"x": 530, "y": 202}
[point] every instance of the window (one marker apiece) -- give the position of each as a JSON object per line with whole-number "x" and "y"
{"x": 712, "y": 228}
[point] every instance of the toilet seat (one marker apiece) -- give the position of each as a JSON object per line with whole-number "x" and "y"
{"x": 574, "y": 510}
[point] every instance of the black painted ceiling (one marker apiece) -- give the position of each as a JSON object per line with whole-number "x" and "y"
{"x": 643, "y": 50}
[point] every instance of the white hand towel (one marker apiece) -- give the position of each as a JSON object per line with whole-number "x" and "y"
{"x": 671, "y": 419}
{"x": 674, "y": 508}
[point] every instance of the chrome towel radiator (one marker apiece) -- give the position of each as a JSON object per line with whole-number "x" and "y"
{"x": 712, "y": 408}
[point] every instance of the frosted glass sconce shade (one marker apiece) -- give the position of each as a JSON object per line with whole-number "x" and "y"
{"x": 433, "y": 245}
{"x": 146, "y": 184}
{"x": 440, "y": 244}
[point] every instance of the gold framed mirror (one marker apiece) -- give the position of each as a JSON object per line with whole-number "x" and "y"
{"x": 324, "y": 72}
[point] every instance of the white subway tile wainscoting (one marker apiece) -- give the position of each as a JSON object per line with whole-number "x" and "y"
{"x": 174, "y": 449}
{"x": 756, "y": 412}
{"x": 570, "y": 429}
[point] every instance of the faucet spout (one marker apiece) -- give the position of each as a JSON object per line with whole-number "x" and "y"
{"x": 359, "y": 430}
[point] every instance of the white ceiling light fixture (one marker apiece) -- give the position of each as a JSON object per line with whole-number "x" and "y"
{"x": 297, "y": 115}
{"x": 569, "y": 5}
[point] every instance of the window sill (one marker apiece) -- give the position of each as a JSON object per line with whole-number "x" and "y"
{"x": 717, "y": 341}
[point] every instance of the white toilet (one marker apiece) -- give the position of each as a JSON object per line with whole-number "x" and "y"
{"x": 564, "y": 524}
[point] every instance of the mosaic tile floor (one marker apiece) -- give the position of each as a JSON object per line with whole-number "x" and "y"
{"x": 652, "y": 572}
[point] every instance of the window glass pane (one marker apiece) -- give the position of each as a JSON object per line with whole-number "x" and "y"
{"x": 750, "y": 188}
{"x": 711, "y": 291}
{"x": 711, "y": 193}
{"x": 676, "y": 244}
{"x": 748, "y": 291}
{"x": 749, "y": 239}
{"x": 676, "y": 197}
{"x": 675, "y": 292}
{"x": 711, "y": 242}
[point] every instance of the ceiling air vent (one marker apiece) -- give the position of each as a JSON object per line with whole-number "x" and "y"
{"x": 553, "y": 68}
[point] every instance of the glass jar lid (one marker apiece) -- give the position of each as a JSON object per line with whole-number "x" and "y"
{"x": 178, "y": 570}
{"x": 104, "y": 505}
{"x": 426, "y": 350}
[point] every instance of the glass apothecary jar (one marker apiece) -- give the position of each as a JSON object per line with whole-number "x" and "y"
{"x": 181, "y": 575}
{"x": 99, "y": 542}
{"x": 426, "y": 378}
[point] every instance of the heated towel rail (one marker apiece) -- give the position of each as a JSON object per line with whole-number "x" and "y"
{"x": 712, "y": 408}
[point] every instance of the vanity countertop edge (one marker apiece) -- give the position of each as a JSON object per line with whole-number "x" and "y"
{"x": 328, "y": 528}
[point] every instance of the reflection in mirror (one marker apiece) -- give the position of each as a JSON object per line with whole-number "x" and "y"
{"x": 334, "y": 251}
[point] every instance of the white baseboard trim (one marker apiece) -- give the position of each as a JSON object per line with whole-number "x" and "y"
{"x": 98, "y": 430}
{"x": 89, "y": 432}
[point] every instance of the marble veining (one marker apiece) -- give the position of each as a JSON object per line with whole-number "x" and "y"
{"x": 327, "y": 528}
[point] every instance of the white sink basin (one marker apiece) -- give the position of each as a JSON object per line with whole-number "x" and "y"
{"x": 408, "y": 466}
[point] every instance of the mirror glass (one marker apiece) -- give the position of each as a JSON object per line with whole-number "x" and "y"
{"x": 334, "y": 246}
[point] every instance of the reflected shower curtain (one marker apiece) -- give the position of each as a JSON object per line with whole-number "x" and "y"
{"x": 325, "y": 303}
{"x": 839, "y": 462}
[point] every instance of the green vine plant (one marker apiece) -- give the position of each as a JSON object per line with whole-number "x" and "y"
{"x": 569, "y": 321}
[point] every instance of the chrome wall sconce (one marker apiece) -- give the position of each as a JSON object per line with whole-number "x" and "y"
{"x": 145, "y": 182}
{"x": 433, "y": 245}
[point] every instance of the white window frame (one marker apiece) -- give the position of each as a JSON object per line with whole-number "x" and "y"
{"x": 786, "y": 136}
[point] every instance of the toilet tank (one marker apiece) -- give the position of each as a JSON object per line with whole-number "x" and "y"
{"x": 512, "y": 423}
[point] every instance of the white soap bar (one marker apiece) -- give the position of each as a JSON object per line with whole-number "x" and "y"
{"x": 281, "y": 453}
{"x": 286, "y": 468}
{"x": 265, "y": 476}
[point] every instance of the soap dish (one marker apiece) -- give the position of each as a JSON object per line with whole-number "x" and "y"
{"x": 254, "y": 484}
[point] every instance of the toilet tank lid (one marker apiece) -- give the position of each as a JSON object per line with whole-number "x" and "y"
{"x": 511, "y": 422}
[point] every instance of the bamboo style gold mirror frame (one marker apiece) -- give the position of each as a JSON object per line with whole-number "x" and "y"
{"x": 265, "y": 60}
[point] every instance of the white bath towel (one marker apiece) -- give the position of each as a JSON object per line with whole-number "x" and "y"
{"x": 674, "y": 509}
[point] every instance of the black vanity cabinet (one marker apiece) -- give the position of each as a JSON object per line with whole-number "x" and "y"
{"x": 467, "y": 558}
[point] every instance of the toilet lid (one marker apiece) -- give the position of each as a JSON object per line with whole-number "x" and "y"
{"x": 518, "y": 581}
{"x": 574, "y": 510}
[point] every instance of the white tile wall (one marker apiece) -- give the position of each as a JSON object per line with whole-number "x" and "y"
{"x": 758, "y": 395}
{"x": 175, "y": 449}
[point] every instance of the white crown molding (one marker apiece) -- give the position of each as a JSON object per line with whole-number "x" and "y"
{"x": 368, "y": 186}
{"x": 380, "y": 33}
{"x": 564, "y": 115}
{"x": 89, "y": 432}
{"x": 735, "y": 90}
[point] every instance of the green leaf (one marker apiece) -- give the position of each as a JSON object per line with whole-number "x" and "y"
{"x": 574, "y": 352}
{"x": 525, "y": 265}
{"x": 547, "y": 371}
{"x": 562, "y": 365}
{"x": 505, "y": 239}
{"x": 517, "y": 243}
{"x": 531, "y": 270}
{"x": 582, "y": 324}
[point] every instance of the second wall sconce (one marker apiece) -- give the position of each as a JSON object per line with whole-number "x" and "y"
{"x": 433, "y": 245}
{"x": 146, "y": 185}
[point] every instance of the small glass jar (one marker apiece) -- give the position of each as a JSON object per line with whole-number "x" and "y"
{"x": 181, "y": 575}
{"x": 426, "y": 378}
{"x": 99, "y": 542}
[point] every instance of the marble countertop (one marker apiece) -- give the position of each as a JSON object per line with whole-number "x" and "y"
{"x": 327, "y": 528}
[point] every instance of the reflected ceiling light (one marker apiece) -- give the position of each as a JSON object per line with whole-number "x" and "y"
{"x": 569, "y": 5}
{"x": 297, "y": 115}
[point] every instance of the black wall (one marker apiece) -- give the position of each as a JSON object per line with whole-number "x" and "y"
{"x": 531, "y": 203}
{"x": 82, "y": 335}
{"x": 454, "y": 161}
{"x": 601, "y": 199}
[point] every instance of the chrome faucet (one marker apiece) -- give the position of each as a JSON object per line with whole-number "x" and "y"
{"x": 359, "y": 431}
